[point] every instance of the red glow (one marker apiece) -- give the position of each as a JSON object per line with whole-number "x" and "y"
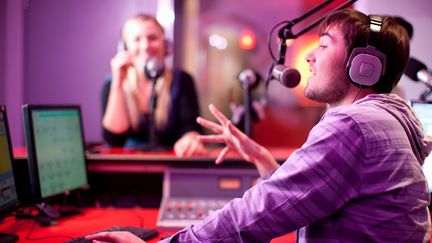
{"x": 301, "y": 48}
{"x": 247, "y": 40}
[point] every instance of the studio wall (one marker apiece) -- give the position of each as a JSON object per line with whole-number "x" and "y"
{"x": 58, "y": 51}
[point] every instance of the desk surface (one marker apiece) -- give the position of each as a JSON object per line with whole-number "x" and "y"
{"x": 104, "y": 153}
{"x": 96, "y": 219}
{"x": 93, "y": 219}
{"x": 114, "y": 153}
{"x": 102, "y": 159}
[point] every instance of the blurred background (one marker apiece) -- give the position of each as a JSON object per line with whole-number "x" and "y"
{"x": 58, "y": 52}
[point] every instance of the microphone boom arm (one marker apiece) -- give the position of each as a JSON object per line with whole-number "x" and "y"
{"x": 316, "y": 22}
{"x": 285, "y": 33}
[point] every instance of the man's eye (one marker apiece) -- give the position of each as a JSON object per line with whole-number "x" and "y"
{"x": 323, "y": 46}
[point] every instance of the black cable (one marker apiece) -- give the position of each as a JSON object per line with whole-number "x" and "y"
{"x": 141, "y": 219}
{"x": 44, "y": 237}
{"x": 269, "y": 37}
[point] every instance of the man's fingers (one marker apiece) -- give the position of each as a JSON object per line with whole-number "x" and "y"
{"x": 234, "y": 130}
{"x": 212, "y": 138}
{"x": 216, "y": 128}
{"x": 222, "y": 155}
{"x": 219, "y": 116}
{"x": 102, "y": 236}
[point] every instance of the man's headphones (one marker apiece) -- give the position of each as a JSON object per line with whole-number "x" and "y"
{"x": 366, "y": 64}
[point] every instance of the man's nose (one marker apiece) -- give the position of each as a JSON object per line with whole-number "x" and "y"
{"x": 310, "y": 57}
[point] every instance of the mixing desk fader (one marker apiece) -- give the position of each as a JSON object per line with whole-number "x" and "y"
{"x": 189, "y": 195}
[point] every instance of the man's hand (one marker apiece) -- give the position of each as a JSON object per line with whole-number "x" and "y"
{"x": 235, "y": 140}
{"x": 114, "y": 237}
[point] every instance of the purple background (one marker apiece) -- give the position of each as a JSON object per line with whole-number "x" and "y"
{"x": 58, "y": 51}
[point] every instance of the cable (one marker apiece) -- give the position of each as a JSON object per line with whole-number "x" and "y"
{"x": 269, "y": 37}
{"x": 358, "y": 92}
{"x": 44, "y": 237}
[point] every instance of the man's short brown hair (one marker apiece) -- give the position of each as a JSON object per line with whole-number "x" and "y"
{"x": 392, "y": 41}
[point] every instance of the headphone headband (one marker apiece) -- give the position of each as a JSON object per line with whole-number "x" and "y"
{"x": 366, "y": 64}
{"x": 375, "y": 24}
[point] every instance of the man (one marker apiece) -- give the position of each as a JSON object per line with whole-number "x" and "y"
{"x": 358, "y": 177}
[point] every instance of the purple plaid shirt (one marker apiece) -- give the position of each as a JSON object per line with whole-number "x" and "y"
{"x": 357, "y": 178}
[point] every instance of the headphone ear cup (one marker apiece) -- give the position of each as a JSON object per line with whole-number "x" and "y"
{"x": 365, "y": 66}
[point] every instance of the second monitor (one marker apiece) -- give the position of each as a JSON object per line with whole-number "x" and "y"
{"x": 8, "y": 193}
{"x": 55, "y": 147}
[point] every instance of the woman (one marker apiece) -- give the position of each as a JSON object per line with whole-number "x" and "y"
{"x": 126, "y": 96}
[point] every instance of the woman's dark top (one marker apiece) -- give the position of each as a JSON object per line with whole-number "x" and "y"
{"x": 182, "y": 114}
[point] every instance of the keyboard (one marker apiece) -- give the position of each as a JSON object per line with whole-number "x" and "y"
{"x": 143, "y": 233}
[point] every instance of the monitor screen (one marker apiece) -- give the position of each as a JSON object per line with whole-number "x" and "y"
{"x": 8, "y": 192}
{"x": 423, "y": 110}
{"x": 55, "y": 145}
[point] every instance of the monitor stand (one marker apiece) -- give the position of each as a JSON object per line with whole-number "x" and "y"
{"x": 48, "y": 215}
{"x": 48, "y": 210}
{"x": 8, "y": 238}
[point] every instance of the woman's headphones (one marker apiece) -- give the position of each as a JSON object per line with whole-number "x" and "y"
{"x": 366, "y": 64}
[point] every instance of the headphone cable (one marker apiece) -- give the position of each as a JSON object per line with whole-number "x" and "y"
{"x": 358, "y": 92}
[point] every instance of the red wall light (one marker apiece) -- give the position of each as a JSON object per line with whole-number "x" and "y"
{"x": 247, "y": 40}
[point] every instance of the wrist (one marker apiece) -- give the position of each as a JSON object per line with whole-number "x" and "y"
{"x": 116, "y": 83}
{"x": 264, "y": 161}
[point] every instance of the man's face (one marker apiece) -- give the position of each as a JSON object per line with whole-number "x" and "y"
{"x": 329, "y": 82}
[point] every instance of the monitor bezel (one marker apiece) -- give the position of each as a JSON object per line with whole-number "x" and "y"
{"x": 32, "y": 161}
{"x": 412, "y": 104}
{"x": 11, "y": 208}
{"x": 421, "y": 102}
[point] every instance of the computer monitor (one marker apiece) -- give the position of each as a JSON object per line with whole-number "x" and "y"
{"x": 56, "y": 155}
{"x": 423, "y": 109}
{"x": 8, "y": 193}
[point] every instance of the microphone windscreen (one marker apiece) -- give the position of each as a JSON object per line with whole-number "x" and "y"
{"x": 413, "y": 67}
{"x": 153, "y": 68}
{"x": 249, "y": 78}
{"x": 291, "y": 78}
{"x": 288, "y": 77}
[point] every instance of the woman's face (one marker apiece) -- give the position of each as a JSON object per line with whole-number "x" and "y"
{"x": 144, "y": 40}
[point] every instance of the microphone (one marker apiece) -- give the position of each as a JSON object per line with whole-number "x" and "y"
{"x": 249, "y": 79}
{"x": 288, "y": 77}
{"x": 153, "y": 69}
{"x": 418, "y": 71}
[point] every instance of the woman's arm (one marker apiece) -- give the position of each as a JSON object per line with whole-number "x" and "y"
{"x": 115, "y": 118}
